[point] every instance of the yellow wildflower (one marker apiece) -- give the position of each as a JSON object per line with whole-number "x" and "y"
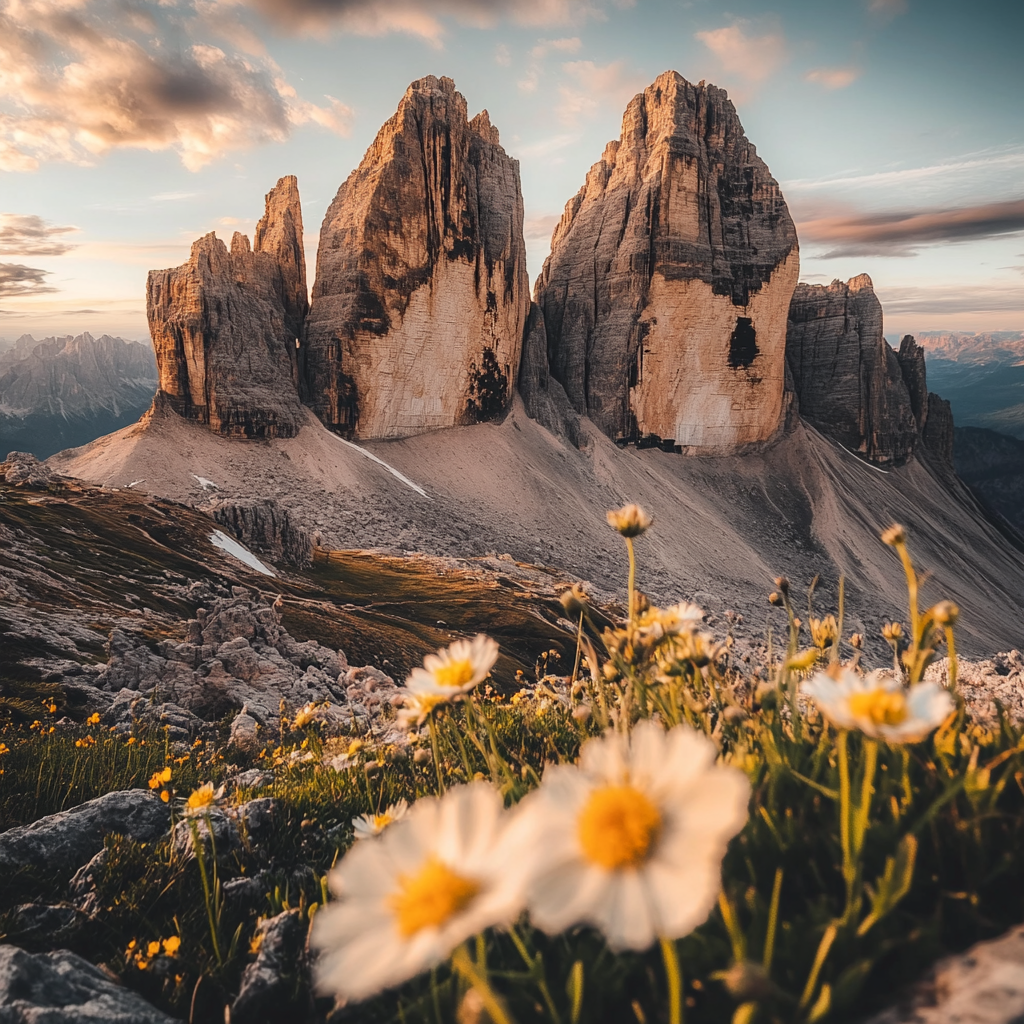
{"x": 630, "y": 520}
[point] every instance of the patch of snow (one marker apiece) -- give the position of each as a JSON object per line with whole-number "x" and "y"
{"x": 233, "y": 548}
{"x": 207, "y": 485}
{"x": 380, "y": 462}
{"x": 136, "y": 482}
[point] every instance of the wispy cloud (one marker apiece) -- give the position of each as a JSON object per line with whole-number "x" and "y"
{"x": 591, "y": 88}
{"x": 535, "y": 68}
{"x": 17, "y": 279}
{"x": 423, "y": 18}
{"x": 29, "y": 235}
{"x": 887, "y": 9}
{"x": 80, "y": 80}
{"x": 833, "y": 78}
{"x": 540, "y": 227}
{"x": 901, "y": 233}
{"x": 741, "y": 51}
{"x": 940, "y": 299}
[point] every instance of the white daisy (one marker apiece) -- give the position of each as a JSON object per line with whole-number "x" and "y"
{"x": 407, "y": 900}
{"x": 369, "y": 825}
{"x": 631, "y": 840}
{"x": 416, "y": 707}
{"x": 456, "y": 669}
{"x": 660, "y": 622}
{"x": 878, "y": 705}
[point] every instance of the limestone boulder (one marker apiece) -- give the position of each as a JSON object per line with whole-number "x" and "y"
{"x": 849, "y": 382}
{"x": 226, "y": 326}
{"x": 421, "y": 293}
{"x": 670, "y": 276}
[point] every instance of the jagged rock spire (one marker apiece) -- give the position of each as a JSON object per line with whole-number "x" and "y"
{"x": 421, "y": 294}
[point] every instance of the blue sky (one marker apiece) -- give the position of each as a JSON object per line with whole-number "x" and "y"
{"x": 128, "y": 129}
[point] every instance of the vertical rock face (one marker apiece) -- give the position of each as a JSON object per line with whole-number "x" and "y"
{"x": 938, "y": 430}
{"x": 543, "y": 397}
{"x": 848, "y": 381}
{"x": 421, "y": 294}
{"x": 225, "y": 325}
{"x": 670, "y": 276}
{"x": 911, "y": 360}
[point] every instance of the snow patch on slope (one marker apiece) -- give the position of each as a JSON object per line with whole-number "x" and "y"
{"x": 233, "y": 548}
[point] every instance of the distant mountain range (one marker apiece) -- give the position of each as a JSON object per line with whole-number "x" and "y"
{"x": 63, "y": 392}
{"x": 981, "y": 376}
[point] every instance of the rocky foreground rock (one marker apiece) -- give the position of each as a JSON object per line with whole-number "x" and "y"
{"x": 670, "y": 276}
{"x": 421, "y": 294}
{"x": 226, "y": 326}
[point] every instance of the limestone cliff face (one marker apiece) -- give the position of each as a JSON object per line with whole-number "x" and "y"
{"x": 421, "y": 295}
{"x": 670, "y": 276}
{"x": 848, "y": 381}
{"x": 226, "y": 325}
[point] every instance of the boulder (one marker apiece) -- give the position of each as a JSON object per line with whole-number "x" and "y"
{"x": 226, "y": 326}
{"x": 849, "y": 383}
{"x": 984, "y": 985}
{"x": 67, "y": 840}
{"x": 62, "y": 988}
{"x": 266, "y": 528}
{"x": 670, "y": 275}
{"x": 266, "y": 991}
{"x": 421, "y": 295}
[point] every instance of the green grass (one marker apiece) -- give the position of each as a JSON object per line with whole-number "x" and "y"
{"x": 955, "y": 800}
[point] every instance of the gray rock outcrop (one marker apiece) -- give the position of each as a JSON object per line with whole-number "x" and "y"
{"x": 852, "y": 386}
{"x": 985, "y": 985}
{"x": 421, "y": 294}
{"x": 62, "y": 988}
{"x": 69, "y": 839}
{"x": 237, "y": 653}
{"x": 670, "y": 276}
{"x": 226, "y": 326}
{"x": 265, "y": 993}
{"x": 543, "y": 397}
{"x": 849, "y": 383}
{"x": 266, "y": 528}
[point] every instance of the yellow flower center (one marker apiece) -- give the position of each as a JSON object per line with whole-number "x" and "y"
{"x": 454, "y": 674}
{"x": 882, "y": 707}
{"x": 618, "y": 826}
{"x": 430, "y": 898}
{"x": 381, "y": 821}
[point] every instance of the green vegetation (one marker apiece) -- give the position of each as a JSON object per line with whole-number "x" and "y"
{"x": 868, "y": 850}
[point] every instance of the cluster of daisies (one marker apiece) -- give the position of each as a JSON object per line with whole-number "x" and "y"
{"x": 630, "y": 839}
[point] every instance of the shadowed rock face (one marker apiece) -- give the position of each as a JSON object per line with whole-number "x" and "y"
{"x": 421, "y": 294}
{"x": 853, "y": 387}
{"x": 670, "y": 276}
{"x": 225, "y": 325}
{"x": 848, "y": 381}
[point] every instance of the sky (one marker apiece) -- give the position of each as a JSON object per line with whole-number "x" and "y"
{"x": 130, "y": 128}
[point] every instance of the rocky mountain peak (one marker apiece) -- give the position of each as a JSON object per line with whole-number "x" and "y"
{"x": 421, "y": 296}
{"x": 670, "y": 274}
{"x": 226, "y": 326}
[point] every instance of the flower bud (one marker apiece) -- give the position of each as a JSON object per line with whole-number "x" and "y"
{"x": 894, "y": 536}
{"x": 630, "y": 520}
{"x": 422, "y": 756}
{"x": 946, "y": 613}
{"x": 581, "y": 712}
{"x": 574, "y": 600}
{"x": 783, "y": 584}
{"x": 856, "y": 640}
{"x": 775, "y": 597}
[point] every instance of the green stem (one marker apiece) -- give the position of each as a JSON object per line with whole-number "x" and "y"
{"x": 844, "y": 812}
{"x": 432, "y": 727}
{"x": 632, "y": 579}
{"x": 773, "y": 922}
{"x": 535, "y": 965}
{"x": 953, "y": 665}
{"x": 463, "y": 964}
{"x": 579, "y": 652}
{"x": 675, "y": 981}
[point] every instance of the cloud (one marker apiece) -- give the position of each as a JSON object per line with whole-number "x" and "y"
{"x": 753, "y": 57}
{"x": 422, "y": 18}
{"x": 594, "y": 87}
{"x": 833, "y": 78}
{"x": 535, "y": 69}
{"x": 28, "y": 235}
{"x": 942, "y": 299}
{"x": 887, "y": 9}
{"x": 898, "y": 233}
{"x": 77, "y": 87}
{"x": 540, "y": 227}
{"x": 17, "y": 279}
{"x": 502, "y": 56}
